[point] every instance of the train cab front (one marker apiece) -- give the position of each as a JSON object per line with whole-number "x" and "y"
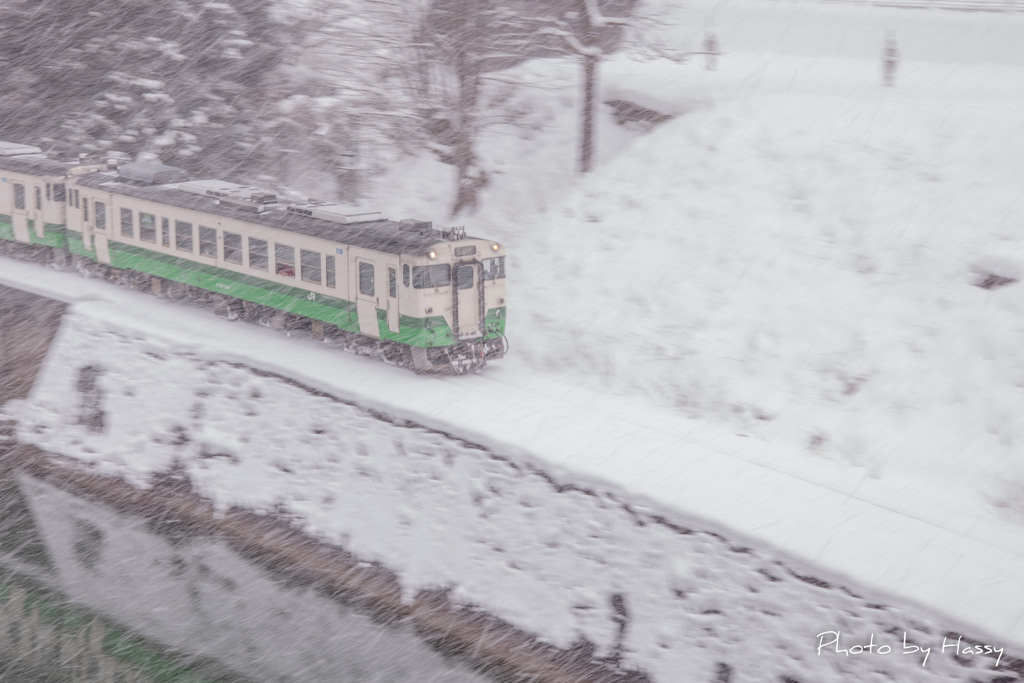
{"x": 462, "y": 281}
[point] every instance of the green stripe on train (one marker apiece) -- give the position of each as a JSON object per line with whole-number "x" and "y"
{"x": 6, "y": 228}
{"x": 76, "y": 245}
{"x": 53, "y": 233}
{"x": 421, "y": 332}
{"x": 412, "y": 331}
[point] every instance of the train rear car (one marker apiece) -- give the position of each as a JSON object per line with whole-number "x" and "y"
{"x": 32, "y": 196}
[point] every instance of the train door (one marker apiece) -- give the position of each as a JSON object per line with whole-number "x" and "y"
{"x": 392, "y": 298}
{"x": 367, "y": 298}
{"x": 102, "y": 248}
{"x": 36, "y": 213}
{"x": 19, "y": 212}
{"x": 468, "y": 297}
{"x": 98, "y": 220}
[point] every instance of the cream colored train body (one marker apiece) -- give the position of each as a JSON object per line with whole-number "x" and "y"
{"x": 433, "y": 300}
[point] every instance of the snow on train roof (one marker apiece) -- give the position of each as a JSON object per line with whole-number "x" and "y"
{"x": 10, "y": 149}
{"x": 34, "y": 165}
{"x": 379, "y": 235}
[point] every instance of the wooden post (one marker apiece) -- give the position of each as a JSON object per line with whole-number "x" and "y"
{"x": 588, "y": 38}
{"x": 587, "y": 137}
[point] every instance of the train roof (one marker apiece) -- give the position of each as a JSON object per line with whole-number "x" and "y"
{"x": 34, "y": 165}
{"x": 380, "y": 235}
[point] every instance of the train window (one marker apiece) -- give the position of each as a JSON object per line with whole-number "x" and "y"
{"x": 329, "y": 270}
{"x": 101, "y": 215}
{"x": 183, "y": 235}
{"x": 78, "y": 197}
{"x": 258, "y": 254}
{"x": 232, "y": 248}
{"x": 59, "y": 193}
{"x": 85, "y": 209}
{"x": 366, "y": 279}
{"x": 405, "y": 275}
{"x": 310, "y": 265}
{"x": 19, "y": 196}
{"x": 39, "y": 199}
{"x": 127, "y": 222}
{"x": 49, "y": 193}
{"x": 392, "y": 283}
{"x": 493, "y": 267}
{"x": 147, "y": 227}
{"x": 424, "y": 277}
{"x": 165, "y": 232}
{"x": 207, "y": 241}
{"x": 464, "y": 277}
{"x": 284, "y": 260}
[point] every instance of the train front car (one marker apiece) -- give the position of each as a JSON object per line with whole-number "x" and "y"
{"x": 430, "y": 300}
{"x": 456, "y": 300}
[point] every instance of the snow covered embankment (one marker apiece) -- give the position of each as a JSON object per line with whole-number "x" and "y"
{"x": 565, "y": 563}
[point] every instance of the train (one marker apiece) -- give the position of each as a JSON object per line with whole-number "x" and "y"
{"x": 426, "y": 298}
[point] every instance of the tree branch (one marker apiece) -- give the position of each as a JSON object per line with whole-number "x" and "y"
{"x": 573, "y": 42}
{"x": 598, "y": 20}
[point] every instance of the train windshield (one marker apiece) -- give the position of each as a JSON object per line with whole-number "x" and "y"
{"x": 493, "y": 267}
{"x": 425, "y": 277}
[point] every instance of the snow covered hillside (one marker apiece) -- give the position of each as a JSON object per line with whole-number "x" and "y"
{"x": 802, "y": 254}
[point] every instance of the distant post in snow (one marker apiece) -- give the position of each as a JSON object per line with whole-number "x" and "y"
{"x": 890, "y": 60}
{"x": 710, "y": 50}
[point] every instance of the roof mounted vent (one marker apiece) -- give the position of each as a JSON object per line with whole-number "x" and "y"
{"x": 414, "y": 225}
{"x": 231, "y": 194}
{"x": 455, "y": 233}
{"x": 12, "y": 149}
{"x": 336, "y": 213}
{"x": 146, "y": 173}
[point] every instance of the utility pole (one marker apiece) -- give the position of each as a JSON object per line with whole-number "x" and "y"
{"x": 591, "y": 57}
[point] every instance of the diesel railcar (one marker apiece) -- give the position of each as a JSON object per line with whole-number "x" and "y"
{"x": 432, "y": 300}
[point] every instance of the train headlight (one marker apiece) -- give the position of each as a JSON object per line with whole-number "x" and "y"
{"x": 495, "y": 247}
{"x": 432, "y": 254}
{"x": 429, "y": 311}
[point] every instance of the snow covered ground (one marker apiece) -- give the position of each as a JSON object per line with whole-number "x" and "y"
{"x": 760, "y": 318}
{"x": 725, "y": 554}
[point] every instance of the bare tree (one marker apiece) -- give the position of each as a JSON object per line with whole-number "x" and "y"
{"x": 416, "y": 72}
{"x": 341, "y": 91}
{"x": 459, "y": 42}
{"x": 582, "y": 30}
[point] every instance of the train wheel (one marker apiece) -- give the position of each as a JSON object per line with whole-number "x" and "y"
{"x": 61, "y": 258}
{"x": 227, "y": 307}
